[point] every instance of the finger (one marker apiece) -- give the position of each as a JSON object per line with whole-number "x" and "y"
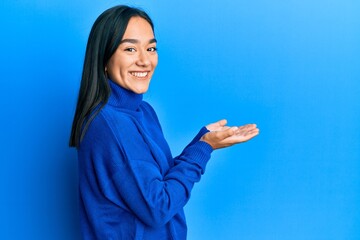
{"x": 252, "y": 133}
{"x": 247, "y": 127}
{"x": 245, "y": 131}
{"x": 248, "y": 137}
{"x": 222, "y": 122}
{"x": 250, "y": 126}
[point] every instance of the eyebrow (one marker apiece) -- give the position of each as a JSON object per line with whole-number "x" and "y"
{"x": 135, "y": 41}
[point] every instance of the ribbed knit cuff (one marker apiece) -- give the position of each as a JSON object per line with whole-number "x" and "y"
{"x": 199, "y": 153}
{"x": 201, "y": 133}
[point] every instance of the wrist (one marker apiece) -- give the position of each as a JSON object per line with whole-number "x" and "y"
{"x": 204, "y": 139}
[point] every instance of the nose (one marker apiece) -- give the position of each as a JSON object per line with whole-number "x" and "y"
{"x": 143, "y": 59}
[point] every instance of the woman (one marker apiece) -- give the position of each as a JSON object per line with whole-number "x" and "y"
{"x": 130, "y": 185}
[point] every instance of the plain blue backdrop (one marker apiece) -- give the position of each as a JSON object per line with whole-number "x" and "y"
{"x": 292, "y": 67}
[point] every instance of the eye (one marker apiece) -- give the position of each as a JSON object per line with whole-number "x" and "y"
{"x": 130, "y": 49}
{"x": 152, "y": 49}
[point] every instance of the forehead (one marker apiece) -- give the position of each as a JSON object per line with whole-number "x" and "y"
{"x": 138, "y": 28}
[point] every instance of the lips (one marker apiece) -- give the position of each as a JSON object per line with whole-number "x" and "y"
{"x": 139, "y": 74}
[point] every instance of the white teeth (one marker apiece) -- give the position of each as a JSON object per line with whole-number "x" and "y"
{"x": 139, "y": 74}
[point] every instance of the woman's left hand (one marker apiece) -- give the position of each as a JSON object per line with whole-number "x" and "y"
{"x": 221, "y": 136}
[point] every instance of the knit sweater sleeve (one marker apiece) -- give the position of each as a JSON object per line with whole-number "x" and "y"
{"x": 131, "y": 177}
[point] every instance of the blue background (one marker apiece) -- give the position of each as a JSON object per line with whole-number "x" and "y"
{"x": 292, "y": 67}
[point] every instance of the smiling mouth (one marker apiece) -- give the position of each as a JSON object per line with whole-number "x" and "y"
{"x": 139, "y": 74}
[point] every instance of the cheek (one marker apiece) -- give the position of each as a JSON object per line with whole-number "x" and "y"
{"x": 155, "y": 61}
{"x": 122, "y": 65}
{"x": 112, "y": 65}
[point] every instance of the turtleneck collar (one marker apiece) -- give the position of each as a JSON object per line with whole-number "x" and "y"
{"x": 123, "y": 98}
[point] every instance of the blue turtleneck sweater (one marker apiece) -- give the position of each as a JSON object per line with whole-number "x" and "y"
{"x": 130, "y": 185}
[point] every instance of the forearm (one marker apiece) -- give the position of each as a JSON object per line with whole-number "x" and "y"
{"x": 156, "y": 198}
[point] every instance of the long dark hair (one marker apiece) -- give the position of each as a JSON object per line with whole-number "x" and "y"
{"x": 105, "y": 36}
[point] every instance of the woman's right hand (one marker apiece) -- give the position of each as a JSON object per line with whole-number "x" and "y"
{"x": 221, "y": 136}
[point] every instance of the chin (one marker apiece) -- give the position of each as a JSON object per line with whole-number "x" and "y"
{"x": 141, "y": 90}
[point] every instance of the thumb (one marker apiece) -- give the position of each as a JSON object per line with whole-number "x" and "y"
{"x": 222, "y": 122}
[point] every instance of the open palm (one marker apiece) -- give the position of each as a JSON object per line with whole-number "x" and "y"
{"x": 221, "y": 136}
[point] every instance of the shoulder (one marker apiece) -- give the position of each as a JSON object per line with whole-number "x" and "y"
{"x": 149, "y": 110}
{"x": 107, "y": 125}
{"x": 113, "y": 116}
{"x": 97, "y": 130}
{"x": 112, "y": 133}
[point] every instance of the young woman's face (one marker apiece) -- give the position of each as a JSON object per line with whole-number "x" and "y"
{"x": 133, "y": 63}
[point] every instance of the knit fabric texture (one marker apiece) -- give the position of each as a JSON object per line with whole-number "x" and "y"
{"x": 130, "y": 185}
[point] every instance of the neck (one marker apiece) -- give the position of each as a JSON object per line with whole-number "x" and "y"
{"x": 123, "y": 98}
